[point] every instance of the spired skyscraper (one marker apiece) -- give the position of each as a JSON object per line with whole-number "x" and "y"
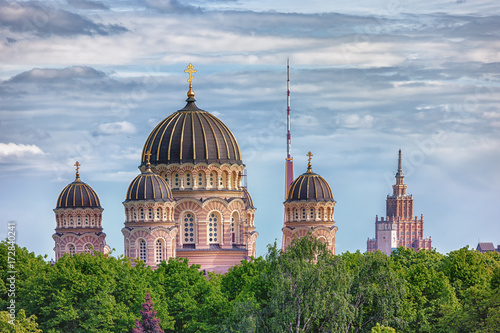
{"x": 399, "y": 228}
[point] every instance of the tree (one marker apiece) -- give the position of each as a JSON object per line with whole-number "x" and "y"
{"x": 149, "y": 324}
{"x": 382, "y": 329}
{"x": 20, "y": 325}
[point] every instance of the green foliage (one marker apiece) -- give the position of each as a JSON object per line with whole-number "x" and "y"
{"x": 302, "y": 289}
{"x": 382, "y": 329}
{"x": 20, "y": 324}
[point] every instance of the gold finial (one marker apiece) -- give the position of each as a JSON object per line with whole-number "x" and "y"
{"x": 190, "y": 69}
{"x": 148, "y": 157}
{"x": 310, "y": 155}
{"x": 78, "y": 165}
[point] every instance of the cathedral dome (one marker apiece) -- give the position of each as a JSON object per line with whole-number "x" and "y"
{"x": 78, "y": 195}
{"x": 309, "y": 187}
{"x": 191, "y": 135}
{"x": 148, "y": 186}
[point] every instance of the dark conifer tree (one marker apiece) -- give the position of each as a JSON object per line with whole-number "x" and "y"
{"x": 150, "y": 324}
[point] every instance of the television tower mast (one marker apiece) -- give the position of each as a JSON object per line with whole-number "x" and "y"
{"x": 289, "y": 159}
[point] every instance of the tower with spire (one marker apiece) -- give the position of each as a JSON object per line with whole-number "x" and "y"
{"x": 309, "y": 209}
{"x": 399, "y": 227}
{"x": 78, "y": 220}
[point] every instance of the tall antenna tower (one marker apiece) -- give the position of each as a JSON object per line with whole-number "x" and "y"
{"x": 289, "y": 159}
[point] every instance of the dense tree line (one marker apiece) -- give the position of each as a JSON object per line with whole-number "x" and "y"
{"x": 304, "y": 289}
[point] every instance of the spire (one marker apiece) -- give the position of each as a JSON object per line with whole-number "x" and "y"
{"x": 78, "y": 165}
{"x": 190, "y": 69}
{"x": 399, "y": 174}
{"x": 289, "y": 159}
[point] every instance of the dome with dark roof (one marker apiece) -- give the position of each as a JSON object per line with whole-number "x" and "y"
{"x": 309, "y": 187}
{"x": 78, "y": 195}
{"x": 191, "y": 135}
{"x": 148, "y": 186}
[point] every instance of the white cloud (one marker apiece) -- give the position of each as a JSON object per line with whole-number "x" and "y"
{"x": 18, "y": 150}
{"x": 120, "y": 127}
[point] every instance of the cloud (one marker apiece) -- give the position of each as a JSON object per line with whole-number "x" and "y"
{"x": 87, "y": 4}
{"x": 56, "y": 75}
{"x": 121, "y": 127}
{"x": 44, "y": 20}
{"x": 170, "y": 6}
{"x": 18, "y": 150}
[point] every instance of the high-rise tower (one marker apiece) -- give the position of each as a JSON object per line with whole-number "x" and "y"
{"x": 399, "y": 228}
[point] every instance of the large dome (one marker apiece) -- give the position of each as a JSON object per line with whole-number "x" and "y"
{"x": 148, "y": 186}
{"x": 78, "y": 195}
{"x": 191, "y": 135}
{"x": 309, "y": 187}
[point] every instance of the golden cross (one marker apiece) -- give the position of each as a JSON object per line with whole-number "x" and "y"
{"x": 148, "y": 155}
{"x": 77, "y": 166}
{"x": 310, "y": 155}
{"x": 190, "y": 69}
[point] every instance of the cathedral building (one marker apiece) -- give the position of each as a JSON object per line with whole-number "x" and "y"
{"x": 188, "y": 200}
{"x": 399, "y": 227}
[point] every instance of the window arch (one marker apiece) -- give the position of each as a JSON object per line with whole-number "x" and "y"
{"x": 188, "y": 180}
{"x": 143, "y": 250}
{"x": 235, "y": 228}
{"x": 176, "y": 180}
{"x": 159, "y": 250}
{"x": 189, "y": 228}
{"x": 213, "y": 179}
{"x": 201, "y": 179}
{"x": 87, "y": 248}
{"x": 71, "y": 249}
{"x": 214, "y": 228}
{"x": 127, "y": 248}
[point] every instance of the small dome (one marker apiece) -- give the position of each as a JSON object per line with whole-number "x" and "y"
{"x": 248, "y": 199}
{"x": 191, "y": 135}
{"x": 309, "y": 187}
{"x": 78, "y": 195}
{"x": 148, "y": 186}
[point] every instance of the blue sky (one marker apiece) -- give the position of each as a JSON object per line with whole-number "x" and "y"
{"x": 88, "y": 81}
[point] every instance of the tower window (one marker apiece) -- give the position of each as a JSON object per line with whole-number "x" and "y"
{"x": 189, "y": 228}
{"x": 213, "y": 228}
{"x": 72, "y": 249}
{"x": 143, "y": 251}
{"x": 159, "y": 251}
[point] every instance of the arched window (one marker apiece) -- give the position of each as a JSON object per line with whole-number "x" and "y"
{"x": 223, "y": 179}
{"x": 88, "y": 248}
{"x": 201, "y": 179}
{"x": 71, "y": 221}
{"x": 71, "y": 249}
{"x": 135, "y": 214}
{"x": 127, "y": 248}
{"x": 141, "y": 214}
{"x": 214, "y": 230}
{"x": 158, "y": 213}
{"x": 320, "y": 213}
{"x": 189, "y": 228}
{"x": 188, "y": 180}
{"x": 143, "y": 250}
{"x": 303, "y": 213}
{"x": 86, "y": 220}
{"x": 213, "y": 179}
{"x": 296, "y": 214}
{"x": 150, "y": 213}
{"x": 311, "y": 216}
{"x": 176, "y": 180}
{"x": 159, "y": 251}
{"x": 79, "y": 219}
{"x": 235, "y": 228}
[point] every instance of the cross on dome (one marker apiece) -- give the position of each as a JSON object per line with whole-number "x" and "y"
{"x": 78, "y": 165}
{"x": 190, "y": 69}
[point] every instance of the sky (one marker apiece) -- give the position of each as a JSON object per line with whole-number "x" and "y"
{"x": 88, "y": 81}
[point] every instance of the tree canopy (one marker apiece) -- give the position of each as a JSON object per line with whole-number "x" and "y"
{"x": 302, "y": 289}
